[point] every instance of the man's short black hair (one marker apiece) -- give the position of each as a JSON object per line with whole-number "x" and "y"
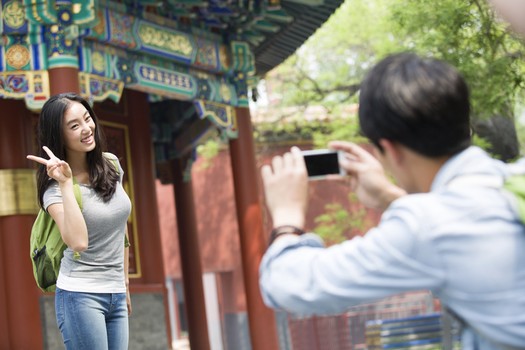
{"x": 421, "y": 103}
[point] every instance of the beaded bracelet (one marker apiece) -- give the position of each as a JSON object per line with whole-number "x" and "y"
{"x": 283, "y": 230}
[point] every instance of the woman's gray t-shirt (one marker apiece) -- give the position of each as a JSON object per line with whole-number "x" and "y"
{"x": 100, "y": 268}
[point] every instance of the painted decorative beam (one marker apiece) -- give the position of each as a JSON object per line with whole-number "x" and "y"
{"x": 41, "y": 11}
{"x": 156, "y": 75}
{"x": 97, "y": 89}
{"x": 222, "y": 116}
{"x": 139, "y": 35}
{"x": 33, "y": 87}
{"x": 84, "y": 13}
{"x": 113, "y": 50}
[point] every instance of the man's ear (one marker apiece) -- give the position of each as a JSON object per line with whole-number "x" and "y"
{"x": 392, "y": 150}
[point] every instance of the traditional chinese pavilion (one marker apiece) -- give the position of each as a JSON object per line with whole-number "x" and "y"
{"x": 163, "y": 75}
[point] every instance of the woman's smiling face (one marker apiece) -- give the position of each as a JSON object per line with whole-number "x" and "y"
{"x": 79, "y": 129}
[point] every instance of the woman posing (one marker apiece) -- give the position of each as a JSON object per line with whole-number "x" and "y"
{"x": 92, "y": 302}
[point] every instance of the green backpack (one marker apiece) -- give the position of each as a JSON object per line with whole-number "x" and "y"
{"x": 513, "y": 187}
{"x": 516, "y": 185}
{"x": 47, "y": 247}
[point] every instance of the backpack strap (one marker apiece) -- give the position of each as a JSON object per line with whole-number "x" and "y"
{"x": 113, "y": 160}
{"x": 516, "y": 185}
{"x": 76, "y": 191}
{"x": 76, "y": 187}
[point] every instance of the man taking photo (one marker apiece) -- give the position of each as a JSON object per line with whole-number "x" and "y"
{"x": 445, "y": 227}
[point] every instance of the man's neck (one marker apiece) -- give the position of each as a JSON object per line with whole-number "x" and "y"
{"x": 421, "y": 171}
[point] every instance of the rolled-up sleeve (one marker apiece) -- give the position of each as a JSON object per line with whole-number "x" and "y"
{"x": 299, "y": 275}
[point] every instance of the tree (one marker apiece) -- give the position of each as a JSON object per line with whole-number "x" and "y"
{"x": 467, "y": 34}
{"x": 338, "y": 224}
{"x": 328, "y": 69}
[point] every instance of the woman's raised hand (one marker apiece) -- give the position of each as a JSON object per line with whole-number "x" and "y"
{"x": 56, "y": 168}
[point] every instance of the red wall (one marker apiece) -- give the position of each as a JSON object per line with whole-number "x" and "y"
{"x": 216, "y": 224}
{"x": 217, "y": 220}
{"x": 216, "y": 217}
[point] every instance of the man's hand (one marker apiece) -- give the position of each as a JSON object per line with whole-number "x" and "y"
{"x": 513, "y": 11}
{"x": 286, "y": 188}
{"x": 367, "y": 176}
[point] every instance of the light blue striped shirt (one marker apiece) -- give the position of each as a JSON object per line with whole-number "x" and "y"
{"x": 464, "y": 243}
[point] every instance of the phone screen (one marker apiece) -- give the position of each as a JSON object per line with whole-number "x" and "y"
{"x": 320, "y": 163}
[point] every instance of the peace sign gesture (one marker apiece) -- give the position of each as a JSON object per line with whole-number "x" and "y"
{"x": 56, "y": 168}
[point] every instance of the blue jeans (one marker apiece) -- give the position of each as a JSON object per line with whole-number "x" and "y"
{"x": 92, "y": 320}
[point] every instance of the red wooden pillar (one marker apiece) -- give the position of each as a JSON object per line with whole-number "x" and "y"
{"x": 145, "y": 202}
{"x": 20, "y": 322}
{"x": 63, "y": 79}
{"x": 263, "y": 330}
{"x": 20, "y": 326}
{"x": 145, "y": 195}
{"x": 190, "y": 258}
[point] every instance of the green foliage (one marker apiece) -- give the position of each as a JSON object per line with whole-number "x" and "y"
{"x": 521, "y": 136}
{"x": 329, "y": 67}
{"x": 466, "y": 34}
{"x": 480, "y": 142}
{"x": 338, "y": 224}
{"x": 346, "y": 129}
{"x": 301, "y": 131}
{"x": 208, "y": 150}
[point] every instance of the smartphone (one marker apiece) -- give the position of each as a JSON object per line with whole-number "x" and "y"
{"x": 322, "y": 162}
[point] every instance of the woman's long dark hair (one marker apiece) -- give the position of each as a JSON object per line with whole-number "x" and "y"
{"x": 103, "y": 176}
